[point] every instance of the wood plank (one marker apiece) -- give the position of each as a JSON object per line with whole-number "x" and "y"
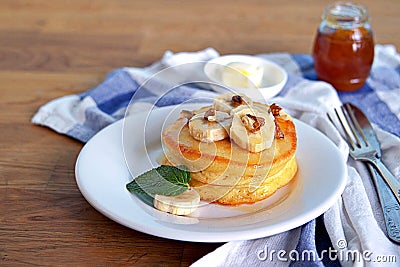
{"x": 50, "y": 49}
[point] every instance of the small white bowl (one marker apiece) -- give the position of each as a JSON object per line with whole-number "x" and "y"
{"x": 273, "y": 79}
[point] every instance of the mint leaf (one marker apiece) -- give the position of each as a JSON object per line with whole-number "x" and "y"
{"x": 163, "y": 180}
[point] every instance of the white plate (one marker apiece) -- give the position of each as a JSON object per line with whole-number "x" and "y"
{"x": 102, "y": 174}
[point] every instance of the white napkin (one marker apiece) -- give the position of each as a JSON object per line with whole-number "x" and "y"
{"x": 355, "y": 222}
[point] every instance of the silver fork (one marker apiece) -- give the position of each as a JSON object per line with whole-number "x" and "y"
{"x": 390, "y": 207}
{"x": 366, "y": 148}
{"x": 363, "y": 143}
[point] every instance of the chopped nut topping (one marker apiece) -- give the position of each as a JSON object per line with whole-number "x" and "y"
{"x": 237, "y": 100}
{"x": 274, "y": 108}
{"x": 187, "y": 114}
{"x": 210, "y": 115}
{"x": 253, "y": 123}
{"x": 278, "y": 131}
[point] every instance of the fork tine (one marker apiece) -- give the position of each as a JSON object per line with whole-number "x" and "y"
{"x": 354, "y": 121}
{"x": 351, "y": 123}
{"x": 349, "y": 139}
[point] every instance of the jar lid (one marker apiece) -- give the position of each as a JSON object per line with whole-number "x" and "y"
{"x": 345, "y": 14}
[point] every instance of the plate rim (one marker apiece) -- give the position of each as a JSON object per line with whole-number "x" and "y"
{"x": 222, "y": 236}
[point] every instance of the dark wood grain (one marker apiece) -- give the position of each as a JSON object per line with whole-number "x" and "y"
{"x": 50, "y": 49}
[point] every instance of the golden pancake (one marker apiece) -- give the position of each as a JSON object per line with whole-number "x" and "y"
{"x": 225, "y": 173}
{"x": 245, "y": 194}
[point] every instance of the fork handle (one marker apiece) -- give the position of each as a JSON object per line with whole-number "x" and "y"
{"x": 389, "y": 178}
{"x": 389, "y": 204}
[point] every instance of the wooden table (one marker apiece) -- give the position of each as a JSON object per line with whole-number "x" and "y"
{"x": 54, "y": 48}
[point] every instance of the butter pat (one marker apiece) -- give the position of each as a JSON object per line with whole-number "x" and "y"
{"x": 242, "y": 75}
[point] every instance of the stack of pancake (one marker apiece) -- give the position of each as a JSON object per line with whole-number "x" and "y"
{"x": 224, "y": 173}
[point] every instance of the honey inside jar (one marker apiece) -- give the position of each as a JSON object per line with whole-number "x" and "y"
{"x": 344, "y": 48}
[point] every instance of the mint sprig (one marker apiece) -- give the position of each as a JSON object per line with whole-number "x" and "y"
{"x": 163, "y": 180}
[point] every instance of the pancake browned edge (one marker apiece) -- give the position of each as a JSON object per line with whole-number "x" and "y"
{"x": 224, "y": 173}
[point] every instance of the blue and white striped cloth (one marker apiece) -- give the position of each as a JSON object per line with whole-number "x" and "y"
{"x": 355, "y": 220}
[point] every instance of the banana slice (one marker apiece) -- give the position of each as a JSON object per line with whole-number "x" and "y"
{"x": 252, "y": 130}
{"x": 208, "y": 128}
{"x": 182, "y": 204}
{"x": 245, "y": 109}
{"x": 227, "y": 102}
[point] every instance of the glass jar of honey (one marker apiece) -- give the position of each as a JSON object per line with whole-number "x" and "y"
{"x": 344, "y": 47}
